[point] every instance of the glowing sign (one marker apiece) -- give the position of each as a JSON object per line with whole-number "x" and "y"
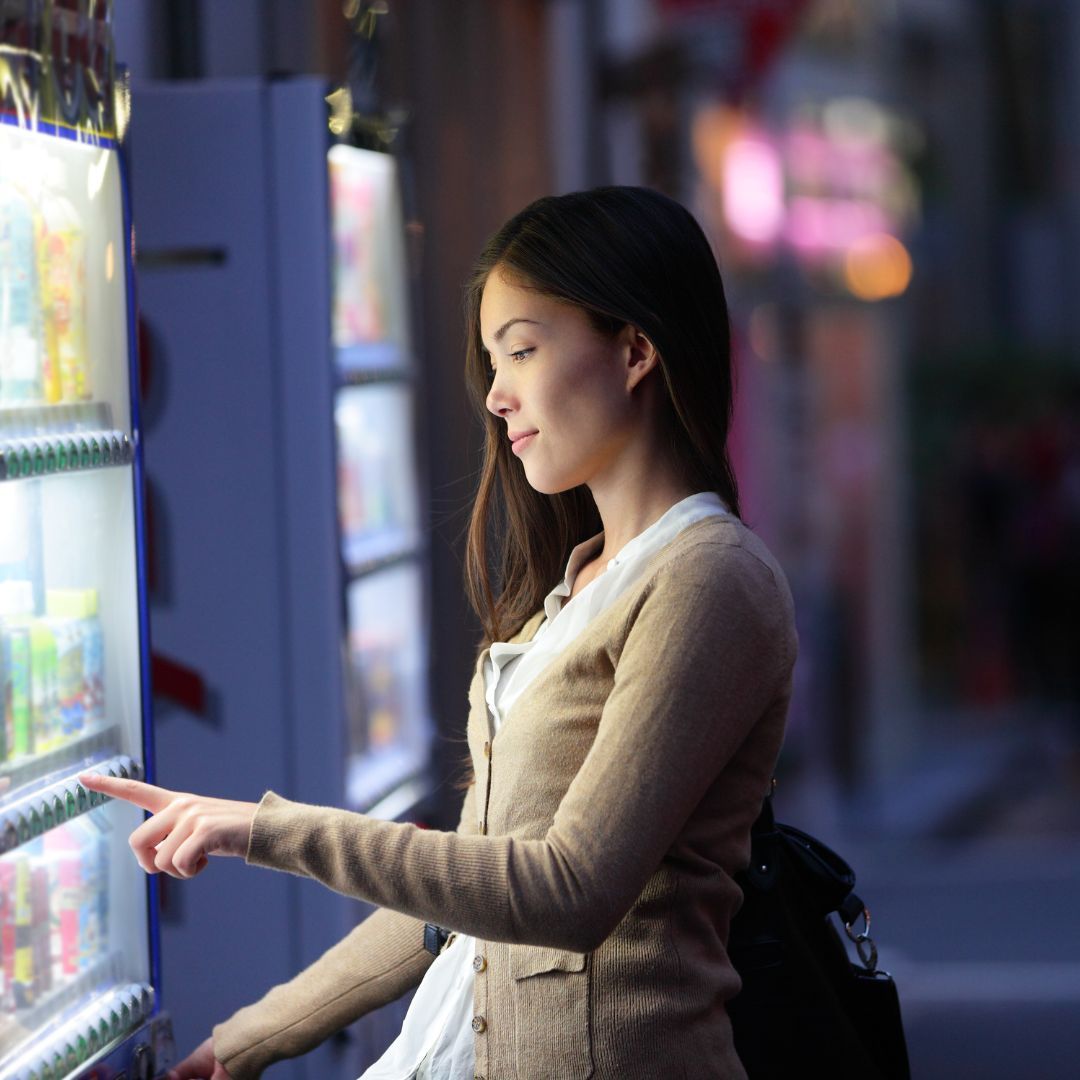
{"x": 831, "y": 189}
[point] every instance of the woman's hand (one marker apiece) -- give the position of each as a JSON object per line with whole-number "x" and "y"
{"x": 185, "y": 829}
{"x": 200, "y": 1064}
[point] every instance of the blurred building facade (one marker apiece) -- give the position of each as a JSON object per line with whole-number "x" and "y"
{"x": 888, "y": 188}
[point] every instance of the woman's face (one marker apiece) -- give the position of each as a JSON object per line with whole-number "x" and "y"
{"x": 556, "y": 375}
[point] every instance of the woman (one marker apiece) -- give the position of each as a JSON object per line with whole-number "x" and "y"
{"x": 623, "y": 725}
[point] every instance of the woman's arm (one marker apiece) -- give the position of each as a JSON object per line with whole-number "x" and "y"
{"x": 710, "y": 650}
{"x": 374, "y": 964}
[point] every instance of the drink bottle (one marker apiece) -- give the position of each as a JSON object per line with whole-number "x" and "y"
{"x": 62, "y": 271}
{"x": 20, "y": 312}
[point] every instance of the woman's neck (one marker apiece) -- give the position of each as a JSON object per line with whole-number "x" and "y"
{"x": 632, "y": 520}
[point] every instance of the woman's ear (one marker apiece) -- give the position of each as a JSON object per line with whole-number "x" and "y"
{"x": 642, "y": 356}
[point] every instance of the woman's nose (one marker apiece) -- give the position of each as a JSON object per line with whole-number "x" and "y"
{"x": 498, "y": 398}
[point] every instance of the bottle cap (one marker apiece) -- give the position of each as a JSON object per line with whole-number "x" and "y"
{"x": 16, "y": 598}
{"x": 71, "y": 603}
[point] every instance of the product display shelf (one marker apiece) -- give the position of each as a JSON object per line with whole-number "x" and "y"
{"x": 89, "y": 1032}
{"x": 61, "y": 419}
{"x": 95, "y": 740}
{"x": 366, "y": 554}
{"x": 370, "y": 361}
{"x": 59, "y": 797}
{"x": 43, "y": 455}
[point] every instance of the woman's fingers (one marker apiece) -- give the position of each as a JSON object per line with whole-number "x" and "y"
{"x": 147, "y": 796}
{"x": 185, "y": 850}
{"x": 184, "y": 830}
{"x": 145, "y": 840}
{"x": 200, "y": 1064}
{"x": 190, "y": 856}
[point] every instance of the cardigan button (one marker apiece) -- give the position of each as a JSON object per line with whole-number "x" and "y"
{"x": 479, "y": 1025}
{"x": 479, "y": 962}
{"x": 487, "y": 749}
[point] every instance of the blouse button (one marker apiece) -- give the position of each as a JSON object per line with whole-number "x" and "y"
{"x": 479, "y": 962}
{"x": 479, "y": 1025}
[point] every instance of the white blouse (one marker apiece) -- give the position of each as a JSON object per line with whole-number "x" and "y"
{"x": 436, "y": 1040}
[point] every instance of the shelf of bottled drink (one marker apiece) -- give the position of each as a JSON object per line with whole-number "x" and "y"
{"x": 81, "y": 1033}
{"x": 58, "y": 797}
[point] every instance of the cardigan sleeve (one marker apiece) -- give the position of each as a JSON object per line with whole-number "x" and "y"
{"x": 374, "y": 964}
{"x": 709, "y": 649}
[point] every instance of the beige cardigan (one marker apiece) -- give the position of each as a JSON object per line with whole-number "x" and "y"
{"x": 595, "y": 852}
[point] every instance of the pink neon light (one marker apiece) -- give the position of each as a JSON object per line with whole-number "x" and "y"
{"x": 753, "y": 190}
{"x": 819, "y": 225}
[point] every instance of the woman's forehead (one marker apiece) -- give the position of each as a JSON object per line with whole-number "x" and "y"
{"x": 505, "y": 300}
{"x": 501, "y": 289}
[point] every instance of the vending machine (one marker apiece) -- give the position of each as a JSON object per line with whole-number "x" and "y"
{"x": 79, "y": 971}
{"x": 286, "y": 498}
{"x": 378, "y": 496}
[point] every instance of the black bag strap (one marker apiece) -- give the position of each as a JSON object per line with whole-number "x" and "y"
{"x": 828, "y": 881}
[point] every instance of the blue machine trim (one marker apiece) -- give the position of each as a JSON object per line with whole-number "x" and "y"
{"x": 140, "y": 560}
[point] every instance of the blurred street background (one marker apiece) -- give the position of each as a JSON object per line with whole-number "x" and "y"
{"x": 893, "y": 191}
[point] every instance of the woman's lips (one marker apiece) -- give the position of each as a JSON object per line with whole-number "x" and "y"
{"x": 519, "y": 444}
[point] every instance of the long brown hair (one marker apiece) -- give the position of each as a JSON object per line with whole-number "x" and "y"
{"x": 623, "y": 255}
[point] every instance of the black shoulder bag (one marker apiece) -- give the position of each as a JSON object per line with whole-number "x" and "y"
{"x": 804, "y": 1006}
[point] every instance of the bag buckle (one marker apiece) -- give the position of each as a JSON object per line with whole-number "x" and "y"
{"x": 864, "y": 944}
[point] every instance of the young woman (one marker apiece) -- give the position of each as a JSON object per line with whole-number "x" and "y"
{"x": 627, "y": 705}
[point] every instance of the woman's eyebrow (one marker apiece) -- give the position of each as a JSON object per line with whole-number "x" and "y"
{"x": 501, "y": 332}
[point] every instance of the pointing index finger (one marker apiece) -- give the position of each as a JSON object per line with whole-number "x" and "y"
{"x": 147, "y": 796}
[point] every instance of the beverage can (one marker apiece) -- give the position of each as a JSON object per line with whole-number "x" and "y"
{"x": 18, "y": 652}
{"x": 6, "y": 736}
{"x": 41, "y": 933}
{"x": 67, "y": 860}
{"x": 23, "y": 973}
{"x": 43, "y": 685}
{"x": 69, "y": 667}
{"x": 7, "y": 933}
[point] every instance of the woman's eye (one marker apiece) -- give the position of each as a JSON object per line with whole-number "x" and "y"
{"x": 520, "y": 354}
